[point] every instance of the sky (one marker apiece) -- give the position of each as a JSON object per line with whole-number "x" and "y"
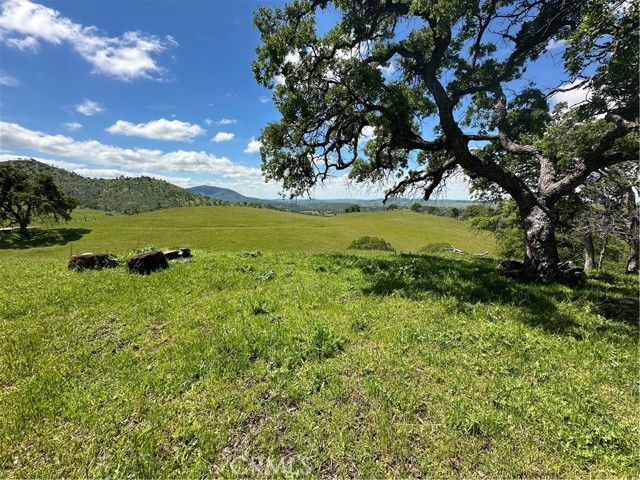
{"x": 160, "y": 88}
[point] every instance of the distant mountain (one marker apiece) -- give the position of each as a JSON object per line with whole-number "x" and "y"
{"x": 224, "y": 194}
{"x": 310, "y": 205}
{"x": 123, "y": 194}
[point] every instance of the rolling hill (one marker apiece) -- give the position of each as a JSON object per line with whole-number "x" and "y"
{"x": 124, "y": 195}
{"x": 224, "y": 194}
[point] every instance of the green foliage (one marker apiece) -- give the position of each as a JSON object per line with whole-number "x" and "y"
{"x": 371, "y": 243}
{"x": 435, "y": 248}
{"x": 503, "y": 222}
{"x": 355, "y": 208}
{"x": 23, "y": 199}
{"x": 124, "y": 195}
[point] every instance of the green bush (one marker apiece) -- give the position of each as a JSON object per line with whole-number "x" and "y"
{"x": 371, "y": 243}
{"x": 435, "y": 248}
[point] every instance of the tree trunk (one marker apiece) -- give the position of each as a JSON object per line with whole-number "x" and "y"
{"x": 23, "y": 228}
{"x": 541, "y": 251}
{"x": 589, "y": 252}
{"x": 634, "y": 252}
{"x": 603, "y": 251}
{"x": 634, "y": 233}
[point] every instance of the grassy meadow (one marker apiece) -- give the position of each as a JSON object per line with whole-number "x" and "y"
{"x": 308, "y": 359}
{"x": 242, "y": 228}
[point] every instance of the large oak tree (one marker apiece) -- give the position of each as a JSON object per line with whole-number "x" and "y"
{"x": 24, "y": 198}
{"x": 440, "y": 83}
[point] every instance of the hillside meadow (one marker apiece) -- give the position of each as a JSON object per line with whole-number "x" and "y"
{"x": 231, "y": 228}
{"x": 305, "y": 359}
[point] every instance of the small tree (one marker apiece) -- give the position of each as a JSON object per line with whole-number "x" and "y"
{"x": 355, "y": 208}
{"x": 24, "y": 198}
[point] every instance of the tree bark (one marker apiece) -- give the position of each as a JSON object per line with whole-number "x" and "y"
{"x": 589, "y": 252}
{"x": 603, "y": 251}
{"x": 634, "y": 252}
{"x": 23, "y": 227}
{"x": 633, "y": 263}
{"x": 541, "y": 252}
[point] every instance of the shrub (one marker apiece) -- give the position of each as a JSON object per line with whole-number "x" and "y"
{"x": 352, "y": 209}
{"x": 371, "y": 243}
{"x": 435, "y": 248}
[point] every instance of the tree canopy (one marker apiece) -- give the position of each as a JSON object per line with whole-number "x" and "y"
{"x": 24, "y": 198}
{"x": 413, "y": 91}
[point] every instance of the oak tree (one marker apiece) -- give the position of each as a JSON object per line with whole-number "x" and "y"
{"x": 416, "y": 90}
{"x": 24, "y": 198}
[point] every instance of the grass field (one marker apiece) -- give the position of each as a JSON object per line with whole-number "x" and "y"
{"x": 244, "y": 228}
{"x": 237, "y": 363}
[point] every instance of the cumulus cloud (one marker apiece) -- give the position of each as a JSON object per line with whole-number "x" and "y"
{"x": 162, "y": 129}
{"x": 15, "y": 136}
{"x": 24, "y": 25}
{"x": 264, "y": 99}
{"x": 223, "y": 137}
{"x": 8, "y": 80}
{"x": 73, "y": 126}
{"x": 253, "y": 146}
{"x": 572, "y": 96}
{"x": 89, "y": 108}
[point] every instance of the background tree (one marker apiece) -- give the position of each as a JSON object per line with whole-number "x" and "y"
{"x": 24, "y": 198}
{"x": 333, "y": 90}
{"x": 355, "y": 208}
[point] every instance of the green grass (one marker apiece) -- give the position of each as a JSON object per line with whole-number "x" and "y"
{"x": 242, "y": 228}
{"x": 369, "y": 364}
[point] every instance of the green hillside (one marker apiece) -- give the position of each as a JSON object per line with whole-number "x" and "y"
{"x": 235, "y": 228}
{"x": 124, "y": 195}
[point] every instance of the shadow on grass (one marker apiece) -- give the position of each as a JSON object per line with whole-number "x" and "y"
{"x": 40, "y": 238}
{"x": 471, "y": 281}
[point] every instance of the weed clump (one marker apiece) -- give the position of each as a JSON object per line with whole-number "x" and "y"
{"x": 435, "y": 248}
{"x": 371, "y": 243}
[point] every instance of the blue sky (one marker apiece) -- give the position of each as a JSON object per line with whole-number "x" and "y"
{"x": 161, "y": 88}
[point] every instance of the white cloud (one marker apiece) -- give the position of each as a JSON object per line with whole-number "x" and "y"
{"x": 367, "y": 132}
{"x": 264, "y": 99}
{"x": 161, "y": 129}
{"x": 208, "y": 122}
{"x": 15, "y": 136}
{"x": 26, "y": 44}
{"x": 226, "y": 121}
{"x": 572, "y": 97}
{"x": 89, "y": 108}
{"x": 24, "y": 25}
{"x": 223, "y": 137}
{"x": 253, "y": 146}
{"x": 8, "y": 80}
{"x": 73, "y": 126}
